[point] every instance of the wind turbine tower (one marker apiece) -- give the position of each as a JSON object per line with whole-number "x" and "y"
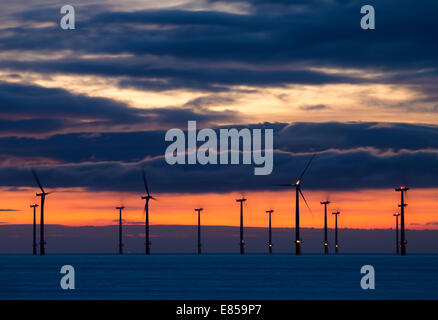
{"x": 43, "y": 199}
{"x": 270, "y": 231}
{"x": 34, "y": 244}
{"x": 397, "y": 250}
{"x": 199, "y": 229}
{"x": 402, "y": 206}
{"x": 147, "y": 197}
{"x": 242, "y": 243}
{"x": 336, "y": 231}
{"x": 120, "y": 229}
{"x": 326, "y": 246}
{"x": 298, "y": 192}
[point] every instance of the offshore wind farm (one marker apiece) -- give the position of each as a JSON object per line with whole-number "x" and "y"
{"x": 400, "y": 246}
{"x": 212, "y": 275}
{"x": 127, "y": 277}
{"x": 217, "y": 149}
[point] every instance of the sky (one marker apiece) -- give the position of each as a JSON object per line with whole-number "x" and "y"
{"x": 87, "y": 108}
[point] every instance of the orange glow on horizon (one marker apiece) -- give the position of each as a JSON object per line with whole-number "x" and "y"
{"x": 359, "y": 209}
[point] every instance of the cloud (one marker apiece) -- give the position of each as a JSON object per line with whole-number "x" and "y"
{"x": 24, "y": 101}
{"x": 316, "y": 107}
{"x": 136, "y": 73}
{"x": 195, "y": 47}
{"x": 8, "y": 210}
{"x": 379, "y": 139}
{"x": 272, "y": 44}
{"x": 279, "y": 34}
{"x": 330, "y": 171}
{"x": 29, "y": 109}
{"x": 314, "y": 137}
{"x": 210, "y": 100}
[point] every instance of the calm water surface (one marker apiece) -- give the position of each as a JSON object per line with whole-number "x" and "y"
{"x": 217, "y": 276}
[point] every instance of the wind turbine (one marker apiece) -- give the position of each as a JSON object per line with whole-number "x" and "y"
{"x": 43, "y": 198}
{"x": 336, "y": 231}
{"x": 242, "y": 243}
{"x": 34, "y": 246}
{"x": 326, "y": 249}
{"x": 270, "y": 231}
{"x": 120, "y": 229}
{"x": 147, "y": 197}
{"x": 402, "y": 206}
{"x": 397, "y": 251}
{"x": 298, "y": 192}
{"x": 199, "y": 229}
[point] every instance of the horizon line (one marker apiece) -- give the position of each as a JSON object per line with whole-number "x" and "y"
{"x": 204, "y": 226}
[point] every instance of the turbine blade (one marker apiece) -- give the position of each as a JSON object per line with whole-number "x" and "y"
{"x": 145, "y": 182}
{"x": 144, "y": 211}
{"x": 284, "y": 185}
{"x": 302, "y": 195}
{"x": 37, "y": 180}
{"x": 307, "y": 167}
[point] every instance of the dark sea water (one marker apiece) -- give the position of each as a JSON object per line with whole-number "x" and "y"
{"x": 217, "y": 276}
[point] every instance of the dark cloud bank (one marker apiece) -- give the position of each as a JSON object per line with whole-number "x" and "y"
{"x": 34, "y": 110}
{"x": 349, "y": 156}
{"x": 272, "y": 44}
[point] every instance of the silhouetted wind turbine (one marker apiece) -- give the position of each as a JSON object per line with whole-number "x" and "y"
{"x": 298, "y": 192}
{"x": 199, "y": 229}
{"x": 120, "y": 229}
{"x": 326, "y": 246}
{"x": 242, "y": 243}
{"x": 402, "y": 206}
{"x": 336, "y": 231}
{"x": 43, "y": 198}
{"x": 34, "y": 245}
{"x": 397, "y": 251}
{"x": 146, "y": 210}
{"x": 270, "y": 231}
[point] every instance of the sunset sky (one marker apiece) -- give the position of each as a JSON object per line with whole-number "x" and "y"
{"x": 87, "y": 108}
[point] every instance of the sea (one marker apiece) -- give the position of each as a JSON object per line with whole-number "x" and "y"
{"x": 218, "y": 276}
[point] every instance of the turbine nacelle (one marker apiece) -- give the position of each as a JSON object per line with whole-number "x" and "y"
{"x": 148, "y": 197}
{"x": 297, "y": 186}
{"x": 300, "y": 178}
